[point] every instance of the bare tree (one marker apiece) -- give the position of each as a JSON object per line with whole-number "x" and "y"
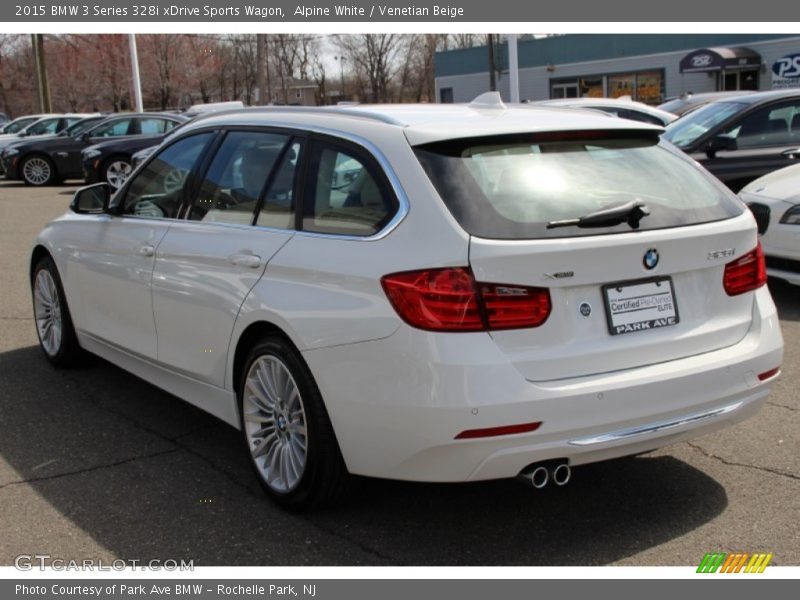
{"x": 373, "y": 59}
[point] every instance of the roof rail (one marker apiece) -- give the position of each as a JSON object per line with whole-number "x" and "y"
{"x": 360, "y": 111}
{"x": 491, "y": 100}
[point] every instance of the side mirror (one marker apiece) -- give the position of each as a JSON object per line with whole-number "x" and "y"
{"x": 718, "y": 143}
{"x": 91, "y": 200}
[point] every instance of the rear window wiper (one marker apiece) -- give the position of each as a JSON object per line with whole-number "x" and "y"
{"x": 631, "y": 213}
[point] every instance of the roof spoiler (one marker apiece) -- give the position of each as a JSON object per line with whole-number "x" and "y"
{"x": 488, "y": 100}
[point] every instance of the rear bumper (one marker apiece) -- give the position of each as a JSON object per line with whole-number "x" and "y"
{"x": 397, "y": 404}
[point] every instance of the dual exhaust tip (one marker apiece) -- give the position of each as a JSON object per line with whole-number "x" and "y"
{"x": 539, "y": 475}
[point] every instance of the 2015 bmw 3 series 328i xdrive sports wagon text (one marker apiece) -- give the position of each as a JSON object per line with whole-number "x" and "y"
{"x": 427, "y": 293}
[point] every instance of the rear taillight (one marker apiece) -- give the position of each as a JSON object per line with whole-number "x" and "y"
{"x": 746, "y": 273}
{"x": 451, "y": 300}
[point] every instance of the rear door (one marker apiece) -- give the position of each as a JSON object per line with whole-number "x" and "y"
{"x": 621, "y": 295}
{"x": 242, "y": 214}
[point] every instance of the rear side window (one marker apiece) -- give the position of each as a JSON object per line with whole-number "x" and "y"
{"x": 511, "y": 187}
{"x": 153, "y": 126}
{"x": 112, "y": 129}
{"x": 345, "y": 193}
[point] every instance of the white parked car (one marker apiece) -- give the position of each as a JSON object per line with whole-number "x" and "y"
{"x": 429, "y": 293}
{"x": 624, "y": 108}
{"x": 775, "y": 202}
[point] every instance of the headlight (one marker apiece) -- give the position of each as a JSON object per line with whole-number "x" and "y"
{"x": 792, "y": 216}
{"x": 10, "y": 152}
{"x": 91, "y": 153}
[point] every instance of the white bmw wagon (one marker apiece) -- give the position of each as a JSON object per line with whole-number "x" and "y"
{"x": 428, "y": 293}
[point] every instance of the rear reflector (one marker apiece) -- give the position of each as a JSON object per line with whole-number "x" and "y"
{"x": 767, "y": 374}
{"x": 451, "y": 300}
{"x": 747, "y": 273}
{"x": 495, "y": 431}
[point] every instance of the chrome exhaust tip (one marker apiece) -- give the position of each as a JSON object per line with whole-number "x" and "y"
{"x": 562, "y": 474}
{"x": 539, "y": 477}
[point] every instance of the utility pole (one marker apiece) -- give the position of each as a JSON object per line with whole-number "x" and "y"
{"x": 513, "y": 68}
{"x": 492, "y": 75}
{"x": 37, "y": 39}
{"x": 261, "y": 68}
{"x": 137, "y": 83}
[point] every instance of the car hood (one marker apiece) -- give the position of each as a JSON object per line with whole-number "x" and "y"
{"x": 783, "y": 185}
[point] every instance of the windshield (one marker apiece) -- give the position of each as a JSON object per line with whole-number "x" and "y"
{"x": 511, "y": 187}
{"x": 81, "y": 126}
{"x": 697, "y": 123}
{"x": 18, "y": 125}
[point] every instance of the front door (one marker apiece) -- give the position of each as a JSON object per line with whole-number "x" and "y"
{"x": 116, "y": 268}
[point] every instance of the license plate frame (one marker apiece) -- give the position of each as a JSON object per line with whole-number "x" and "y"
{"x": 622, "y": 328}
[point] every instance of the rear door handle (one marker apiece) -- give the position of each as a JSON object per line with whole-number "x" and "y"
{"x": 251, "y": 261}
{"x": 794, "y": 153}
{"x": 146, "y": 250}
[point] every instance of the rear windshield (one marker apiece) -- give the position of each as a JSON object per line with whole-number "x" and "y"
{"x": 511, "y": 187}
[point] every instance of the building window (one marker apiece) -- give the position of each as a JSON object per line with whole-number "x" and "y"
{"x": 446, "y": 95}
{"x": 644, "y": 86}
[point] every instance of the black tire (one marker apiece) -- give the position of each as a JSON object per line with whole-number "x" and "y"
{"x": 51, "y": 176}
{"x": 67, "y": 352}
{"x": 324, "y": 480}
{"x": 106, "y": 166}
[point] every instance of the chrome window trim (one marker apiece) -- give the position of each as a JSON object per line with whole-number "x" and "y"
{"x": 394, "y": 181}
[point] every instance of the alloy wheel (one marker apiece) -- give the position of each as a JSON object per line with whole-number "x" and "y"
{"x": 36, "y": 171}
{"x": 47, "y": 310}
{"x": 117, "y": 173}
{"x": 275, "y": 423}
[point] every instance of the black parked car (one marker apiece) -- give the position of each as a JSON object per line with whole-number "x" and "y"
{"x": 53, "y": 159}
{"x": 743, "y": 138}
{"x": 111, "y": 161}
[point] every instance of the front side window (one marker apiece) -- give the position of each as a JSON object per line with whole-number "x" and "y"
{"x": 233, "y": 184}
{"x": 157, "y": 190}
{"x": 512, "y": 187}
{"x": 345, "y": 193}
{"x": 45, "y": 126}
{"x": 770, "y": 126}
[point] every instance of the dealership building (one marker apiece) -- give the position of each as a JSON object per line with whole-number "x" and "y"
{"x": 648, "y": 67}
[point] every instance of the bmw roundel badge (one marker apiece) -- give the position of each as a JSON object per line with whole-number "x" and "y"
{"x": 650, "y": 259}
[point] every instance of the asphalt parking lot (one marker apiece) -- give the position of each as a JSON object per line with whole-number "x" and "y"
{"x": 95, "y": 463}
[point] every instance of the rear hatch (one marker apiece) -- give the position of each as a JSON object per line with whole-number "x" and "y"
{"x": 632, "y": 289}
